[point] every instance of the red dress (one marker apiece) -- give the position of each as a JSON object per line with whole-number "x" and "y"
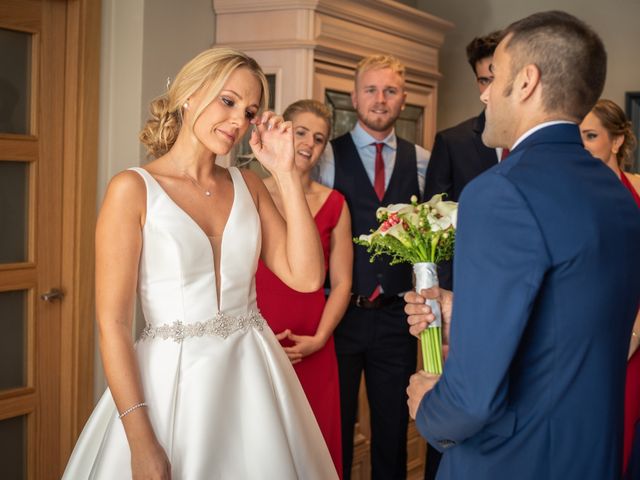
{"x": 285, "y": 308}
{"x": 632, "y": 392}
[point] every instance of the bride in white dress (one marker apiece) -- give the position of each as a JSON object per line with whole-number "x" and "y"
{"x": 207, "y": 392}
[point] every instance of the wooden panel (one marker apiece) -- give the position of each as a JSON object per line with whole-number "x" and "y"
{"x": 361, "y": 465}
{"x": 16, "y": 392}
{"x": 416, "y": 451}
{"x": 48, "y": 244}
{"x": 17, "y": 279}
{"x": 82, "y": 71}
{"x": 18, "y": 148}
{"x": 20, "y": 15}
{"x": 17, "y": 405}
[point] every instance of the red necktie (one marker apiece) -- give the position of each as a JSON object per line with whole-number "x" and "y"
{"x": 505, "y": 154}
{"x": 378, "y": 181}
{"x": 378, "y": 186}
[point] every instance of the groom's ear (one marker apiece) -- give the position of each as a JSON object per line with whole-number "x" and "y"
{"x": 527, "y": 82}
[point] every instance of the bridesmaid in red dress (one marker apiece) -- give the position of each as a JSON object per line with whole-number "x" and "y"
{"x": 607, "y": 134}
{"x": 304, "y": 322}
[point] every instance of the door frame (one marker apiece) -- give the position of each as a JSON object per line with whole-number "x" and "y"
{"x": 80, "y": 165}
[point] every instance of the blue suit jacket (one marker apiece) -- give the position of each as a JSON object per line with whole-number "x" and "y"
{"x": 546, "y": 290}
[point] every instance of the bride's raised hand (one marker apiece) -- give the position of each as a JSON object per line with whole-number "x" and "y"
{"x": 272, "y": 143}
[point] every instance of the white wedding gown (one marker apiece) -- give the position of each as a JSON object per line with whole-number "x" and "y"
{"x": 223, "y": 398}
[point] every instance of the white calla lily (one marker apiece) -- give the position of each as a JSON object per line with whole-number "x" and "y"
{"x": 435, "y": 200}
{"x": 444, "y": 222}
{"x": 399, "y": 208}
{"x": 434, "y": 224}
{"x": 397, "y": 231}
{"x": 448, "y": 210}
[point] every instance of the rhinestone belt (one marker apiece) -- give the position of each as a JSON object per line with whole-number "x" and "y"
{"x": 222, "y": 325}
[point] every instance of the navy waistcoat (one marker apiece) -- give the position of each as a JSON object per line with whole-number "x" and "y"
{"x": 352, "y": 181}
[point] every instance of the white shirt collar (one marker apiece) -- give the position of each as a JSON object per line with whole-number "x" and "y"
{"x": 540, "y": 126}
{"x": 361, "y": 137}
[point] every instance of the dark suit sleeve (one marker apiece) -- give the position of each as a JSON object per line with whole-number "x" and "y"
{"x": 501, "y": 259}
{"x": 439, "y": 174}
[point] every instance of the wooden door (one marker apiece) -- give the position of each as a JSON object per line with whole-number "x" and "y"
{"x": 38, "y": 96}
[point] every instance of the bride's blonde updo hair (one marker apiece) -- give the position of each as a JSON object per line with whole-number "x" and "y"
{"x": 209, "y": 70}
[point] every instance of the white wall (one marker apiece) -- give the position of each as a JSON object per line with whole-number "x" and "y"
{"x": 616, "y": 22}
{"x": 175, "y": 31}
{"x": 143, "y": 43}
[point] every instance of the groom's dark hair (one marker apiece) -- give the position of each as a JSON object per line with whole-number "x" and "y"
{"x": 569, "y": 54}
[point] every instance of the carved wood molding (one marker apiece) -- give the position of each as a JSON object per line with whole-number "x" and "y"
{"x": 383, "y": 15}
{"x": 341, "y": 30}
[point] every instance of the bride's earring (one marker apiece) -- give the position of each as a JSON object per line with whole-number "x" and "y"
{"x": 185, "y": 105}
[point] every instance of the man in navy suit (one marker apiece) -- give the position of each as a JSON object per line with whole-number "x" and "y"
{"x": 545, "y": 279}
{"x": 458, "y": 154}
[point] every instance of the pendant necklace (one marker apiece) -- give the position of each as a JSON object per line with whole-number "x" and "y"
{"x": 206, "y": 191}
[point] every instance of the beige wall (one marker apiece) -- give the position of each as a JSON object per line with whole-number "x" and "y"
{"x": 143, "y": 43}
{"x": 616, "y": 22}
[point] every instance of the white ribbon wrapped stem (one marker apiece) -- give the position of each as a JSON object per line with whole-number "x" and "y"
{"x": 426, "y": 276}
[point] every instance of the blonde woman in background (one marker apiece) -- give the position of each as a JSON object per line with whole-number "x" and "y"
{"x": 608, "y": 135}
{"x": 207, "y": 392}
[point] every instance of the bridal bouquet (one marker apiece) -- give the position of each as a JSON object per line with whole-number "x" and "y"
{"x": 422, "y": 234}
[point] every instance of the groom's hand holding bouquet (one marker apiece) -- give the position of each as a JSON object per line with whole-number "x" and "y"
{"x": 419, "y": 316}
{"x": 421, "y": 234}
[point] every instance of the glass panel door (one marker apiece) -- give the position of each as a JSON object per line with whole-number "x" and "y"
{"x": 18, "y": 272}
{"x": 15, "y": 81}
{"x": 14, "y": 211}
{"x": 13, "y": 341}
{"x": 32, "y": 52}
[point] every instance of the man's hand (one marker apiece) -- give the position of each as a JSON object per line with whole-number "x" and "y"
{"x": 419, "y": 385}
{"x": 419, "y": 314}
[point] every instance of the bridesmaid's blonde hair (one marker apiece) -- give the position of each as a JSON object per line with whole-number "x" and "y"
{"x": 319, "y": 109}
{"x": 209, "y": 70}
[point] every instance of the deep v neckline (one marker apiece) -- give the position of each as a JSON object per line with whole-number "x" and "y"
{"x": 217, "y": 288}
{"x": 324, "y": 204}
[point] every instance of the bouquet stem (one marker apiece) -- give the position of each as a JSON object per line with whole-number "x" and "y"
{"x": 426, "y": 276}
{"x": 431, "y": 342}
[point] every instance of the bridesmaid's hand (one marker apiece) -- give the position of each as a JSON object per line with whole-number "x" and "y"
{"x": 272, "y": 143}
{"x": 304, "y": 346}
{"x": 150, "y": 463}
{"x": 294, "y": 357}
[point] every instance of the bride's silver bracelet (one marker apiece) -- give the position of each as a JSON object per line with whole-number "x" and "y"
{"x": 131, "y": 409}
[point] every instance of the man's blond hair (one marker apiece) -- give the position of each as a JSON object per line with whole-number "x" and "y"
{"x": 376, "y": 62}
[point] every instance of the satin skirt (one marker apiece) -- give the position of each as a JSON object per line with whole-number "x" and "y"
{"x": 222, "y": 409}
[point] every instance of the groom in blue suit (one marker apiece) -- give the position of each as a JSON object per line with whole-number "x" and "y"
{"x": 545, "y": 280}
